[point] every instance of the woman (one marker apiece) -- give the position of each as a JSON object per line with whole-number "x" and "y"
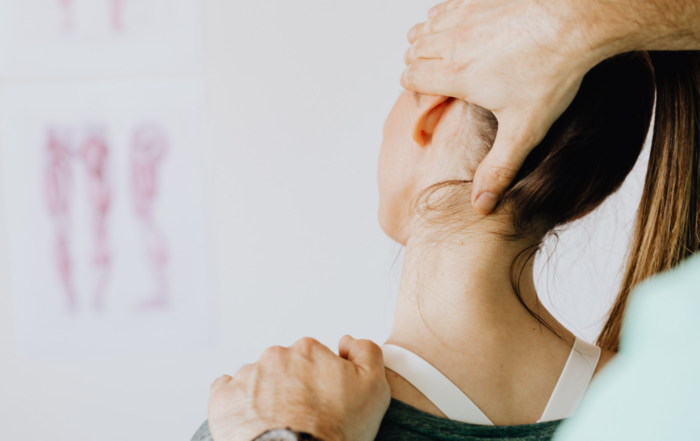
{"x": 472, "y": 355}
{"x": 468, "y": 322}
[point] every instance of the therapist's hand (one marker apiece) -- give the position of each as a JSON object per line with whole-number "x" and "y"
{"x": 521, "y": 59}
{"x": 524, "y": 60}
{"x": 307, "y": 388}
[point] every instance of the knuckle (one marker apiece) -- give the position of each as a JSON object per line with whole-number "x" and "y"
{"x": 438, "y": 22}
{"x": 368, "y": 346}
{"x": 306, "y": 346}
{"x": 246, "y": 370}
{"x": 244, "y": 374}
{"x": 421, "y": 30}
{"x": 272, "y": 354}
{"x": 502, "y": 176}
{"x": 430, "y": 25}
{"x": 411, "y": 53}
{"x": 374, "y": 353}
{"x": 410, "y": 77}
{"x": 417, "y": 47}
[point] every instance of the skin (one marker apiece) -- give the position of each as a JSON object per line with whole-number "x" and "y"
{"x": 307, "y": 388}
{"x": 456, "y": 307}
{"x": 524, "y": 60}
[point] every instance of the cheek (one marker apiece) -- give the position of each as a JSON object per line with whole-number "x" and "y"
{"x": 390, "y": 204}
{"x": 394, "y": 173}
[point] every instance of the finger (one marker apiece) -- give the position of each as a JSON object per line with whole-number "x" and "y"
{"x": 431, "y": 77}
{"x": 344, "y": 346}
{"x": 244, "y": 369}
{"x": 446, "y": 6}
{"x": 271, "y": 357}
{"x": 431, "y": 46}
{"x": 364, "y": 354}
{"x": 221, "y": 382}
{"x": 500, "y": 167}
{"x": 308, "y": 347}
{"x": 244, "y": 373}
{"x": 440, "y": 23}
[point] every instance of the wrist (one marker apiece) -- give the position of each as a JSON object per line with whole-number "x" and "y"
{"x": 320, "y": 426}
{"x": 578, "y": 35}
{"x": 286, "y": 434}
{"x": 596, "y": 30}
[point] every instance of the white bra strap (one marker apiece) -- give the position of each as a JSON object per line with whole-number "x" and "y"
{"x": 573, "y": 382}
{"x": 434, "y": 385}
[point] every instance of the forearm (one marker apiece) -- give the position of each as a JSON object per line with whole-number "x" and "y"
{"x": 610, "y": 27}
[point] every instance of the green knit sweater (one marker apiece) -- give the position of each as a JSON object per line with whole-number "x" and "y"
{"x": 406, "y": 423}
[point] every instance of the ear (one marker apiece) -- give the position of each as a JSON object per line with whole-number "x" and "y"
{"x": 428, "y": 114}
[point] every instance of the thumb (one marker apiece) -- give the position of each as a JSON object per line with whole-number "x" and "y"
{"x": 364, "y": 354}
{"x": 499, "y": 168}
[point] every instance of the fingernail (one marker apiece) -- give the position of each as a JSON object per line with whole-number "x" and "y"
{"x": 412, "y": 34}
{"x": 433, "y": 12}
{"x": 486, "y": 202}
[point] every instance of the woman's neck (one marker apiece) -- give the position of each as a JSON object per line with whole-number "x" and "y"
{"x": 458, "y": 292}
{"x": 457, "y": 310}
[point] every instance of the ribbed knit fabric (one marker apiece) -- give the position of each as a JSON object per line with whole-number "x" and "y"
{"x": 406, "y": 423}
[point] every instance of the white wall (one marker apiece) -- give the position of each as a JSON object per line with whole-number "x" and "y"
{"x": 298, "y": 92}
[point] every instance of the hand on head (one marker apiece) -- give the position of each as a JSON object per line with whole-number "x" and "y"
{"x": 307, "y": 388}
{"x": 519, "y": 59}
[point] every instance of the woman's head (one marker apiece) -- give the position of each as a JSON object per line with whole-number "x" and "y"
{"x": 428, "y": 140}
{"x": 432, "y": 146}
{"x": 584, "y": 158}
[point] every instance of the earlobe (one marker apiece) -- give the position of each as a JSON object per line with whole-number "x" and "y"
{"x": 428, "y": 114}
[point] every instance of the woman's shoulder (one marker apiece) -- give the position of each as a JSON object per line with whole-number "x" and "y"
{"x": 405, "y": 392}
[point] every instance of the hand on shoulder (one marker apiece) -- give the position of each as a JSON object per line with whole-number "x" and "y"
{"x": 307, "y": 388}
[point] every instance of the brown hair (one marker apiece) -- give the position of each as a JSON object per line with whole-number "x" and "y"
{"x": 589, "y": 151}
{"x": 668, "y": 220}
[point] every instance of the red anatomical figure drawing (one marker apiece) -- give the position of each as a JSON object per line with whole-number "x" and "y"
{"x": 148, "y": 150}
{"x": 65, "y": 152}
{"x": 95, "y": 155}
{"x": 59, "y": 186}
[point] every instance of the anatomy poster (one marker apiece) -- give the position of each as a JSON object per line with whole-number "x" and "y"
{"x": 104, "y": 212}
{"x": 47, "y": 38}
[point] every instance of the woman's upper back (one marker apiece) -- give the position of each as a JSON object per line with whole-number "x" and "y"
{"x": 453, "y": 397}
{"x": 403, "y": 422}
{"x": 457, "y": 405}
